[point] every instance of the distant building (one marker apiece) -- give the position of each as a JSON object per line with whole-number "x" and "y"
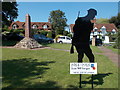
{"x": 100, "y": 29}
{"x": 34, "y": 25}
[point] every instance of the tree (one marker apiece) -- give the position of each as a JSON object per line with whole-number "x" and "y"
{"x": 115, "y": 20}
{"x": 102, "y": 20}
{"x": 49, "y": 34}
{"x": 65, "y": 33}
{"x": 9, "y": 12}
{"x": 58, "y": 21}
{"x": 117, "y": 41}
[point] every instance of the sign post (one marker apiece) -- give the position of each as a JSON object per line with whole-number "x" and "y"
{"x": 92, "y": 81}
{"x": 83, "y": 68}
{"x": 80, "y": 82}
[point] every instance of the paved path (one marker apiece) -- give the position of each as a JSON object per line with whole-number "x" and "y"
{"x": 110, "y": 54}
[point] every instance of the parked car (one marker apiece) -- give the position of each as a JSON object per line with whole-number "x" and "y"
{"x": 42, "y": 38}
{"x": 12, "y": 36}
{"x": 98, "y": 42}
{"x": 64, "y": 39}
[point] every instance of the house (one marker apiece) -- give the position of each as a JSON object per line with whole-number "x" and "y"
{"x": 101, "y": 30}
{"x": 34, "y": 25}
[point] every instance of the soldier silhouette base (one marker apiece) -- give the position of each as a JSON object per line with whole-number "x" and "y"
{"x": 81, "y": 35}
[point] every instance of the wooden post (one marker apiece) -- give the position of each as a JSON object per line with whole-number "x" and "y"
{"x": 92, "y": 81}
{"x": 80, "y": 86}
{"x": 93, "y": 41}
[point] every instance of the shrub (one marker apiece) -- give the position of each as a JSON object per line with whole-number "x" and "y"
{"x": 34, "y": 31}
{"x": 117, "y": 44}
{"x": 49, "y": 34}
{"x": 69, "y": 35}
{"x": 113, "y": 37}
{"x": 65, "y": 33}
{"x": 44, "y": 32}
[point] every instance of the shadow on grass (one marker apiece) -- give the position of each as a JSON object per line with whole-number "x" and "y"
{"x": 17, "y": 73}
{"x": 97, "y": 80}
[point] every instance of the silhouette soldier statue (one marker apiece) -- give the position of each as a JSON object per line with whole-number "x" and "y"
{"x": 81, "y": 36}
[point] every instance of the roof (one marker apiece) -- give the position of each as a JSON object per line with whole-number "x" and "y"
{"x": 39, "y": 24}
{"x": 109, "y": 27}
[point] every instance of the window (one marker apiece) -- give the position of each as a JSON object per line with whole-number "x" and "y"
{"x": 34, "y": 26}
{"x": 95, "y": 33}
{"x": 45, "y": 26}
{"x": 103, "y": 29}
{"x": 68, "y": 38}
{"x": 91, "y": 33}
{"x": 95, "y": 29}
{"x": 61, "y": 37}
{"x": 100, "y": 33}
{"x": 114, "y": 31}
{"x": 14, "y": 26}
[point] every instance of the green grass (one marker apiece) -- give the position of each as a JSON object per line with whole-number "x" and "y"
{"x": 50, "y": 69}
{"x": 68, "y": 46}
{"x": 60, "y": 46}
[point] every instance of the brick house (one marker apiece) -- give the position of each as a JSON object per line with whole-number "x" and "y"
{"x": 100, "y": 27}
{"x": 101, "y": 31}
{"x": 34, "y": 25}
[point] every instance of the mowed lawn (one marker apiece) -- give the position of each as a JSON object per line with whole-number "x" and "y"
{"x": 46, "y": 68}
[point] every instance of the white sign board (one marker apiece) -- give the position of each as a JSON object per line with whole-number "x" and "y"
{"x": 83, "y": 68}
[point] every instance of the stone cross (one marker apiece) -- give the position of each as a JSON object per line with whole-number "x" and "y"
{"x": 28, "y": 26}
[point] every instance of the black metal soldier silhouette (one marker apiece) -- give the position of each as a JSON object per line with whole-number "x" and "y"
{"x": 81, "y": 36}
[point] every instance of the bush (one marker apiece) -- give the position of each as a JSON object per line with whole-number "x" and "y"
{"x": 5, "y": 28}
{"x": 44, "y": 32}
{"x": 65, "y": 33}
{"x": 34, "y": 31}
{"x": 17, "y": 31}
{"x": 117, "y": 44}
{"x": 69, "y": 35}
{"x": 113, "y": 38}
{"x": 49, "y": 34}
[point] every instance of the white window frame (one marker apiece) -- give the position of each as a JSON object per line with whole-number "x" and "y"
{"x": 45, "y": 26}
{"x": 95, "y": 29}
{"x": 34, "y": 26}
{"x": 103, "y": 29}
{"x": 14, "y": 26}
{"x": 114, "y": 31}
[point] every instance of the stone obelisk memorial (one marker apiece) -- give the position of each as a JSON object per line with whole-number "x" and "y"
{"x": 28, "y": 26}
{"x": 28, "y": 42}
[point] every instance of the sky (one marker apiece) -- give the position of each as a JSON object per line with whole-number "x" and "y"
{"x": 67, "y": 0}
{"x": 40, "y": 11}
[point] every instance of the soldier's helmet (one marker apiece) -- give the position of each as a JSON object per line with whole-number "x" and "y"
{"x": 92, "y": 11}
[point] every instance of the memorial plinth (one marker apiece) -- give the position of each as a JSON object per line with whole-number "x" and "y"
{"x": 28, "y": 42}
